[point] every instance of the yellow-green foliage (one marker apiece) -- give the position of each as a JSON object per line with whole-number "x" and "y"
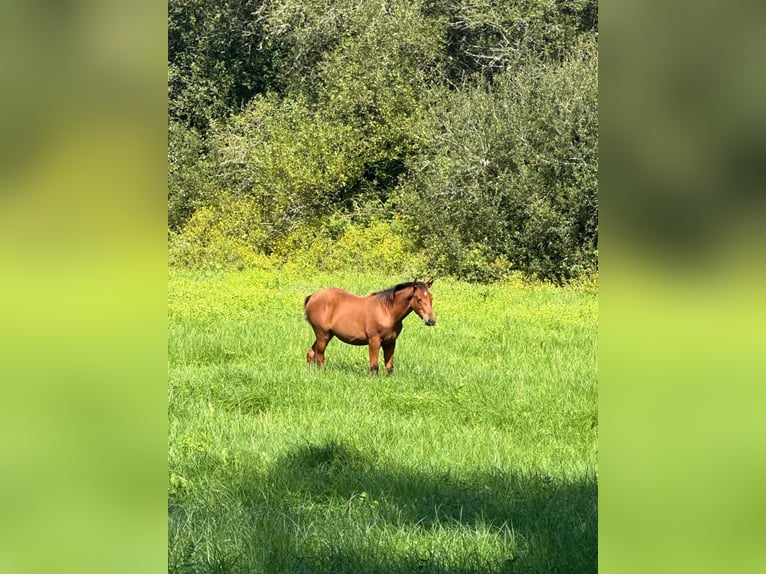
{"x": 340, "y": 244}
{"x": 226, "y": 234}
{"x": 293, "y": 160}
{"x": 230, "y": 235}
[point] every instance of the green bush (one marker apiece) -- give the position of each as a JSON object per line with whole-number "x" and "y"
{"x": 293, "y": 162}
{"x": 189, "y": 178}
{"x": 341, "y": 244}
{"x": 230, "y": 234}
{"x": 509, "y": 177}
{"x": 226, "y": 234}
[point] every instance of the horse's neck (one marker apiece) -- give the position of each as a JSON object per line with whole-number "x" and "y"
{"x": 401, "y": 307}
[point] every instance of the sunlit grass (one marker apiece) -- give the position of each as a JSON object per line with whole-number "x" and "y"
{"x": 479, "y": 454}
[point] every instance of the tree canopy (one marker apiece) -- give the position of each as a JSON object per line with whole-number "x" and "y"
{"x": 467, "y": 128}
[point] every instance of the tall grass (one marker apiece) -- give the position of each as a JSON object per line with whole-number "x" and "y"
{"x": 479, "y": 454}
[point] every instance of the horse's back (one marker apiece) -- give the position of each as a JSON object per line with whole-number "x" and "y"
{"x": 330, "y": 295}
{"x": 328, "y": 300}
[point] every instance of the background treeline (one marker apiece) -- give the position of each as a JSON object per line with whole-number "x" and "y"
{"x": 458, "y": 137}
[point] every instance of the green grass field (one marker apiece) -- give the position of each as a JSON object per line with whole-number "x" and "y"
{"x": 479, "y": 454}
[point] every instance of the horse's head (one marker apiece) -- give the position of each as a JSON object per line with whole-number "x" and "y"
{"x": 422, "y": 302}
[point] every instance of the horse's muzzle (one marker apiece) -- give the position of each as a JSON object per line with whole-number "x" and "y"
{"x": 431, "y": 322}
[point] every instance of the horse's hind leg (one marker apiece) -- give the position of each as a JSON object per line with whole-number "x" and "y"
{"x": 316, "y": 352}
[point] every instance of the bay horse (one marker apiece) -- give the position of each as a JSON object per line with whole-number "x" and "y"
{"x": 374, "y": 320}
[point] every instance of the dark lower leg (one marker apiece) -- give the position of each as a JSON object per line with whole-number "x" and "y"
{"x": 374, "y": 357}
{"x": 388, "y": 356}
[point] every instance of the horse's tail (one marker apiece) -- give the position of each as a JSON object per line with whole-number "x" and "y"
{"x": 306, "y": 302}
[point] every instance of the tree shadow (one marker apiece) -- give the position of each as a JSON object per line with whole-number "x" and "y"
{"x": 540, "y": 523}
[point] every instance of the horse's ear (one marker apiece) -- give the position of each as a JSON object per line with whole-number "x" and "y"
{"x": 430, "y": 282}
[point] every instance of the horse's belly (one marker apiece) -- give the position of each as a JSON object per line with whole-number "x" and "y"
{"x": 353, "y": 341}
{"x": 351, "y": 338}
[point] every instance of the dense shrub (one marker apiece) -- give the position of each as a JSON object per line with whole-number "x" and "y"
{"x": 189, "y": 179}
{"x": 472, "y": 127}
{"x": 228, "y": 236}
{"x": 227, "y": 233}
{"x": 297, "y": 166}
{"x": 510, "y": 174}
{"x": 378, "y": 245}
{"x": 217, "y": 58}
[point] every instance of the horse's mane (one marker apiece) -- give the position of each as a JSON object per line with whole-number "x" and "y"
{"x": 387, "y": 295}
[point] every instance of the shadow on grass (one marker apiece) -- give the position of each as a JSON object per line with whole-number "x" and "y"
{"x": 331, "y": 509}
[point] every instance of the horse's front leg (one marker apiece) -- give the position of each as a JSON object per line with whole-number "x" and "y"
{"x": 388, "y": 355}
{"x": 374, "y": 355}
